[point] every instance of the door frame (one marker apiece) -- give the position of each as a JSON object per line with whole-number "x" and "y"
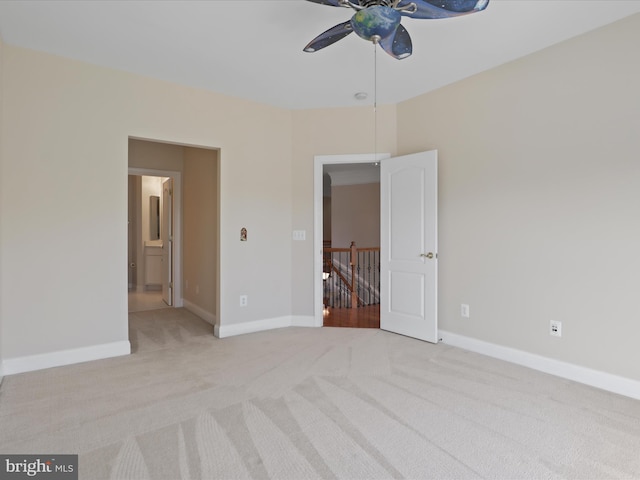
{"x": 177, "y": 225}
{"x": 318, "y": 163}
{"x": 166, "y": 227}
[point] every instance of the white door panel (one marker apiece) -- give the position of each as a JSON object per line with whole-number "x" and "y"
{"x": 406, "y": 293}
{"x": 408, "y": 189}
{"x": 407, "y": 215}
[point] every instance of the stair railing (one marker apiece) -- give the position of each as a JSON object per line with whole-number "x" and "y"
{"x": 351, "y": 276}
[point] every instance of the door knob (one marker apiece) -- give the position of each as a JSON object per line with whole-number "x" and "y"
{"x": 427, "y": 255}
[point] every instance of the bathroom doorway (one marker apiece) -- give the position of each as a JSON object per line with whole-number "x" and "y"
{"x": 153, "y": 268}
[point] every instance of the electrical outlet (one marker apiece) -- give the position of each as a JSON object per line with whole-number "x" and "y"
{"x": 464, "y": 310}
{"x": 555, "y": 328}
{"x": 244, "y": 300}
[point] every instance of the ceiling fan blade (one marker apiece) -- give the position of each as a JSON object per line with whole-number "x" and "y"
{"x": 397, "y": 45}
{"x": 442, "y": 8}
{"x": 332, "y": 3}
{"x": 329, "y": 37}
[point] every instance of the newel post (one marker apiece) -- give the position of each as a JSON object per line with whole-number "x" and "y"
{"x": 353, "y": 262}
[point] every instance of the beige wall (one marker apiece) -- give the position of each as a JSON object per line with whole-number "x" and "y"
{"x": 539, "y": 183}
{"x": 333, "y": 131}
{"x": 200, "y": 219}
{"x": 355, "y": 216}
{"x": 1, "y": 194}
{"x": 155, "y": 155}
{"x": 65, "y": 166}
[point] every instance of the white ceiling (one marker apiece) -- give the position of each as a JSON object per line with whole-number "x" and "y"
{"x": 253, "y": 48}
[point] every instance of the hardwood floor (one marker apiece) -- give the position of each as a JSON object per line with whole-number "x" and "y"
{"x": 363, "y": 317}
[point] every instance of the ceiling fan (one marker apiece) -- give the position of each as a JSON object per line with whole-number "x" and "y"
{"x": 379, "y": 21}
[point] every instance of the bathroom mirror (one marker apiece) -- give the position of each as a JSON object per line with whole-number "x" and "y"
{"x": 154, "y": 217}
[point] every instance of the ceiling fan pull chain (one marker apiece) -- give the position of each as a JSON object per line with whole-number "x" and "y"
{"x": 375, "y": 101}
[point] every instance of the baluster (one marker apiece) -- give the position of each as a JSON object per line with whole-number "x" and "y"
{"x": 339, "y": 292}
{"x": 345, "y": 291}
{"x": 378, "y": 272}
{"x": 364, "y": 279}
{"x": 333, "y": 281}
{"x": 356, "y": 282}
{"x": 369, "y": 277}
{"x": 374, "y": 286}
{"x": 353, "y": 261}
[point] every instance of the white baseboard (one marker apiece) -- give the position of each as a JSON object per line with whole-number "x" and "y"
{"x": 199, "y": 311}
{"x": 588, "y": 376}
{"x": 222, "y": 331}
{"x": 11, "y": 366}
{"x": 30, "y": 363}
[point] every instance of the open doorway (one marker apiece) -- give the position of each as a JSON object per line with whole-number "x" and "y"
{"x": 408, "y": 246}
{"x": 347, "y": 225}
{"x": 187, "y": 177}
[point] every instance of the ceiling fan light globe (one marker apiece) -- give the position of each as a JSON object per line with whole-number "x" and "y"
{"x": 375, "y": 22}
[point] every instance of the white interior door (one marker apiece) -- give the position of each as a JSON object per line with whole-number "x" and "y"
{"x": 167, "y": 241}
{"x": 409, "y": 245}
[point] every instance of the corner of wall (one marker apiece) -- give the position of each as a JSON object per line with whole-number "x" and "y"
{"x": 199, "y": 312}
{"x": 1, "y": 189}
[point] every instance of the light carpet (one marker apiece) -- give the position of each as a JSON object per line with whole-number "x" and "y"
{"x": 303, "y": 403}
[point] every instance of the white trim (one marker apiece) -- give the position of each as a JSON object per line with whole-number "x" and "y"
{"x": 177, "y": 225}
{"x": 199, "y": 311}
{"x": 30, "y": 363}
{"x": 570, "y": 371}
{"x": 318, "y": 162}
{"x": 222, "y": 331}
